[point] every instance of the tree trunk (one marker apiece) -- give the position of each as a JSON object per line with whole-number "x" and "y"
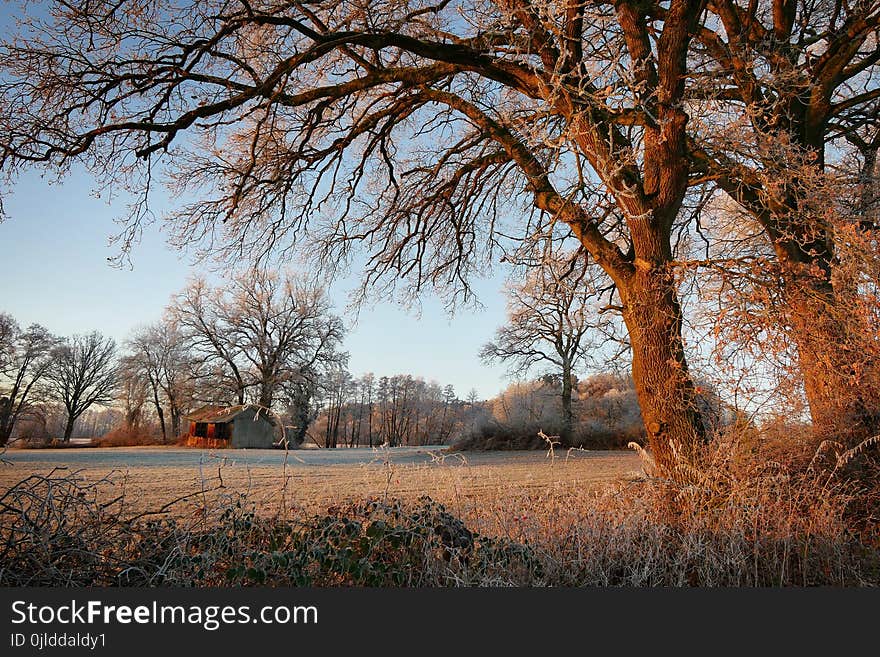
{"x": 567, "y": 422}
{"x": 161, "y": 415}
{"x": 836, "y": 347}
{"x": 175, "y": 422}
{"x": 6, "y": 420}
{"x": 5, "y": 433}
{"x": 266, "y": 394}
{"x": 301, "y": 402}
{"x": 7, "y": 417}
{"x": 837, "y": 360}
{"x": 68, "y": 428}
{"x": 159, "y": 412}
{"x": 659, "y": 369}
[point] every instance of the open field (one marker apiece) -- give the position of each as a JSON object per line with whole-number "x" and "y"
{"x": 313, "y": 479}
{"x": 236, "y": 517}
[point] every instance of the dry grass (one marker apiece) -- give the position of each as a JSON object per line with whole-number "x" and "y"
{"x": 730, "y": 519}
{"x": 464, "y": 482}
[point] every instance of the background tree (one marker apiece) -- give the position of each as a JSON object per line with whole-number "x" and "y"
{"x": 26, "y": 361}
{"x": 8, "y": 329}
{"x": 264, "y": 330}
{"x": 201, "y": 313}
{"x": 300, "y": 393}
{"x": 134, "y": 391}
{"x": 161, "y": 355}
{"x": 336, "y": 389}
{"x": 550, "y": 315}
{"x": 283, "y": 327}
{"x": 400, "y": 410}
{"x": 83, "y": 372}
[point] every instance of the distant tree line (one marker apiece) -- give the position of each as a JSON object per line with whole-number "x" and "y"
{"x": 262, "y": 338}
{"x": 392, "y": 411}
{"x": 603, "y": 413}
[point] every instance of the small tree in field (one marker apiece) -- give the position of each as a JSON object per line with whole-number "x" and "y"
{"x": 550, "y": 315}
{"x": 83, "y": 373}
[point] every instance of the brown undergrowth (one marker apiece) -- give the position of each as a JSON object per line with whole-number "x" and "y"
{"x": 730, "y": 518}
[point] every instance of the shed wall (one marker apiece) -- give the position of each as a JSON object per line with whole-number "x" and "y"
{"x": 252, "y": 432}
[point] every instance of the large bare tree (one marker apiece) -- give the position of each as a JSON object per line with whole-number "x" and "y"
{"x": 793, "y": 85}
{"x": 83, "y": 372}
{"x": 266, "y": 330}
{"x": 409, "y": 127}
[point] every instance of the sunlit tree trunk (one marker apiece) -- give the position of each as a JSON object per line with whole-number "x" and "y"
{"x": 835, "y": 357}
{"x": 659, "y": 369}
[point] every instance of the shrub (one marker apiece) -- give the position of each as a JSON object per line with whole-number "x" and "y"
{"x": 123, "y": 437}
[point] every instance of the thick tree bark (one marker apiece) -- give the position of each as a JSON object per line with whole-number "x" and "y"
{"x": 837, "y": 363}
{"x": 665, "y": 391}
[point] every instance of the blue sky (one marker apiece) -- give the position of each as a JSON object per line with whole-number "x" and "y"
{"x": 54, "y": 271}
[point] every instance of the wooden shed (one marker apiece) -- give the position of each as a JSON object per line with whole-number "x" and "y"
{"x": 232, "y": 426}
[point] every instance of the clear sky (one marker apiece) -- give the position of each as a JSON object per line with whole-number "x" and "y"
{"x": 54, "y": 271}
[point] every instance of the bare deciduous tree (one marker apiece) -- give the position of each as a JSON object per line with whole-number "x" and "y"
{"x": 550, "y": 315}
{"x": 264, "y": 329}
{"x": 407, "y": 411}
{"x": 83, "y": 372}
{"x": 26, "y": 361}
{"x": 134, "y": 390}
{"x": 405, "y": 127}
{"x": 792, "y": 84}
{"x": 8, "y": 329}
{"x": 200, "y": 312}
{"x": 160, "y": 353}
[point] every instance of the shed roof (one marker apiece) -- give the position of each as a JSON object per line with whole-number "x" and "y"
{"x": 223, "y": 414}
